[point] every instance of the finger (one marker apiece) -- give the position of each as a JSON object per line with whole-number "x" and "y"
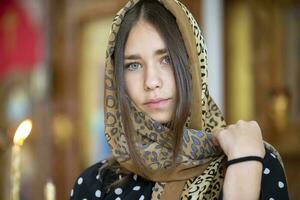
{"x": 240, "y": 122}
{"x": 230, "y": 126}
{"x": 254, "y": 123}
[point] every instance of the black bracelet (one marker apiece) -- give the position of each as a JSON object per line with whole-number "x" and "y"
{"x": 243, "y": 159}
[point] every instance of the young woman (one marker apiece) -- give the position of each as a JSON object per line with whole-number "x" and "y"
{"x": 168, "y": 137}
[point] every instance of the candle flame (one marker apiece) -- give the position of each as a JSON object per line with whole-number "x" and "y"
{"x": 22, "y": 132}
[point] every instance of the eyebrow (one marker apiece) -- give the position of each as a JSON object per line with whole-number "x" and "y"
{"x": 137, "y": 56}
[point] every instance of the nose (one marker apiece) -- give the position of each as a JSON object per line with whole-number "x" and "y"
{"x": 152, "y": 78}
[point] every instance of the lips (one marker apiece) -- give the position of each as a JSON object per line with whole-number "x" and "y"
{"x": 156, "y": 103}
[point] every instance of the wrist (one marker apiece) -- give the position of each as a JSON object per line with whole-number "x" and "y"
{"x": 240, "y": 154}
{"x": 240, "y": 177}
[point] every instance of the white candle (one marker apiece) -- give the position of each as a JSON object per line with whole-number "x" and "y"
{"x": 21, "y": 134}
{"x": 15, "y": 172}
{"x": 49, "y": 191}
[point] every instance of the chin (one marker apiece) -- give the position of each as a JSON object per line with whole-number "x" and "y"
{"x": 162, "y": 119}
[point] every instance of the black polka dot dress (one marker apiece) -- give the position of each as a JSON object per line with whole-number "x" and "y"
{"x": 90, "y": 186}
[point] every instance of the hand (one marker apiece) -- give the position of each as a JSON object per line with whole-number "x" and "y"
{"x": 241, "y": 139}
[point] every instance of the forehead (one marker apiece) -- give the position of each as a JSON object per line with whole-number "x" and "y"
{"x": 143, "y": 36}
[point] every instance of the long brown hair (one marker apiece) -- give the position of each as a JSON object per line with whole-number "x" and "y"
{"x": 157, "y": 15}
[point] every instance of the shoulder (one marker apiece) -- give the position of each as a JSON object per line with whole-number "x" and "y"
{"x": 88, "y": 184}
{"x": 273, "y": 152}
{"x": 274, "y": 183}
{"x": 92, "y": 173}
{"x": 92, "y": 184}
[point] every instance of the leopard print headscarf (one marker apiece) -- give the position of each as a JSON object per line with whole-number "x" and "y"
{"x": 200, "y": 170}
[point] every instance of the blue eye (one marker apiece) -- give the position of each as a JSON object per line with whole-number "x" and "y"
{"x": 133, "y": 66}
{"x": 166, "y": 60}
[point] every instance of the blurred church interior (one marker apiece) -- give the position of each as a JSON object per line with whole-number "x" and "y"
{"x": 52, "y": 55}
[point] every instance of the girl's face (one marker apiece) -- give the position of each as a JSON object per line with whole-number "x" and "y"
{"x": 149, "y": 76}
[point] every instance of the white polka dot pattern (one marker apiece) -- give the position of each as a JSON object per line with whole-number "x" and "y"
{"x": 267, "y": 171}
{"x": 280, "y": 184}
{"x": 80, "y": 180}
{"x": 136, "y": 188}
{"x": 142, "y": 197}
{"x": 135, "y": 177}
{"x": 273, "y": 155}
{"x": 98, "y": 193}
{"x": 118, "y": 191}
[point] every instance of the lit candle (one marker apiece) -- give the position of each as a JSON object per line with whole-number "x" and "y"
{"x": 21, "y": 134}
{"x": 49, "y": 191}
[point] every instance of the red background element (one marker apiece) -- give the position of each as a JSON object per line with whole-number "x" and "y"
{"x": 20, "y": 39}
